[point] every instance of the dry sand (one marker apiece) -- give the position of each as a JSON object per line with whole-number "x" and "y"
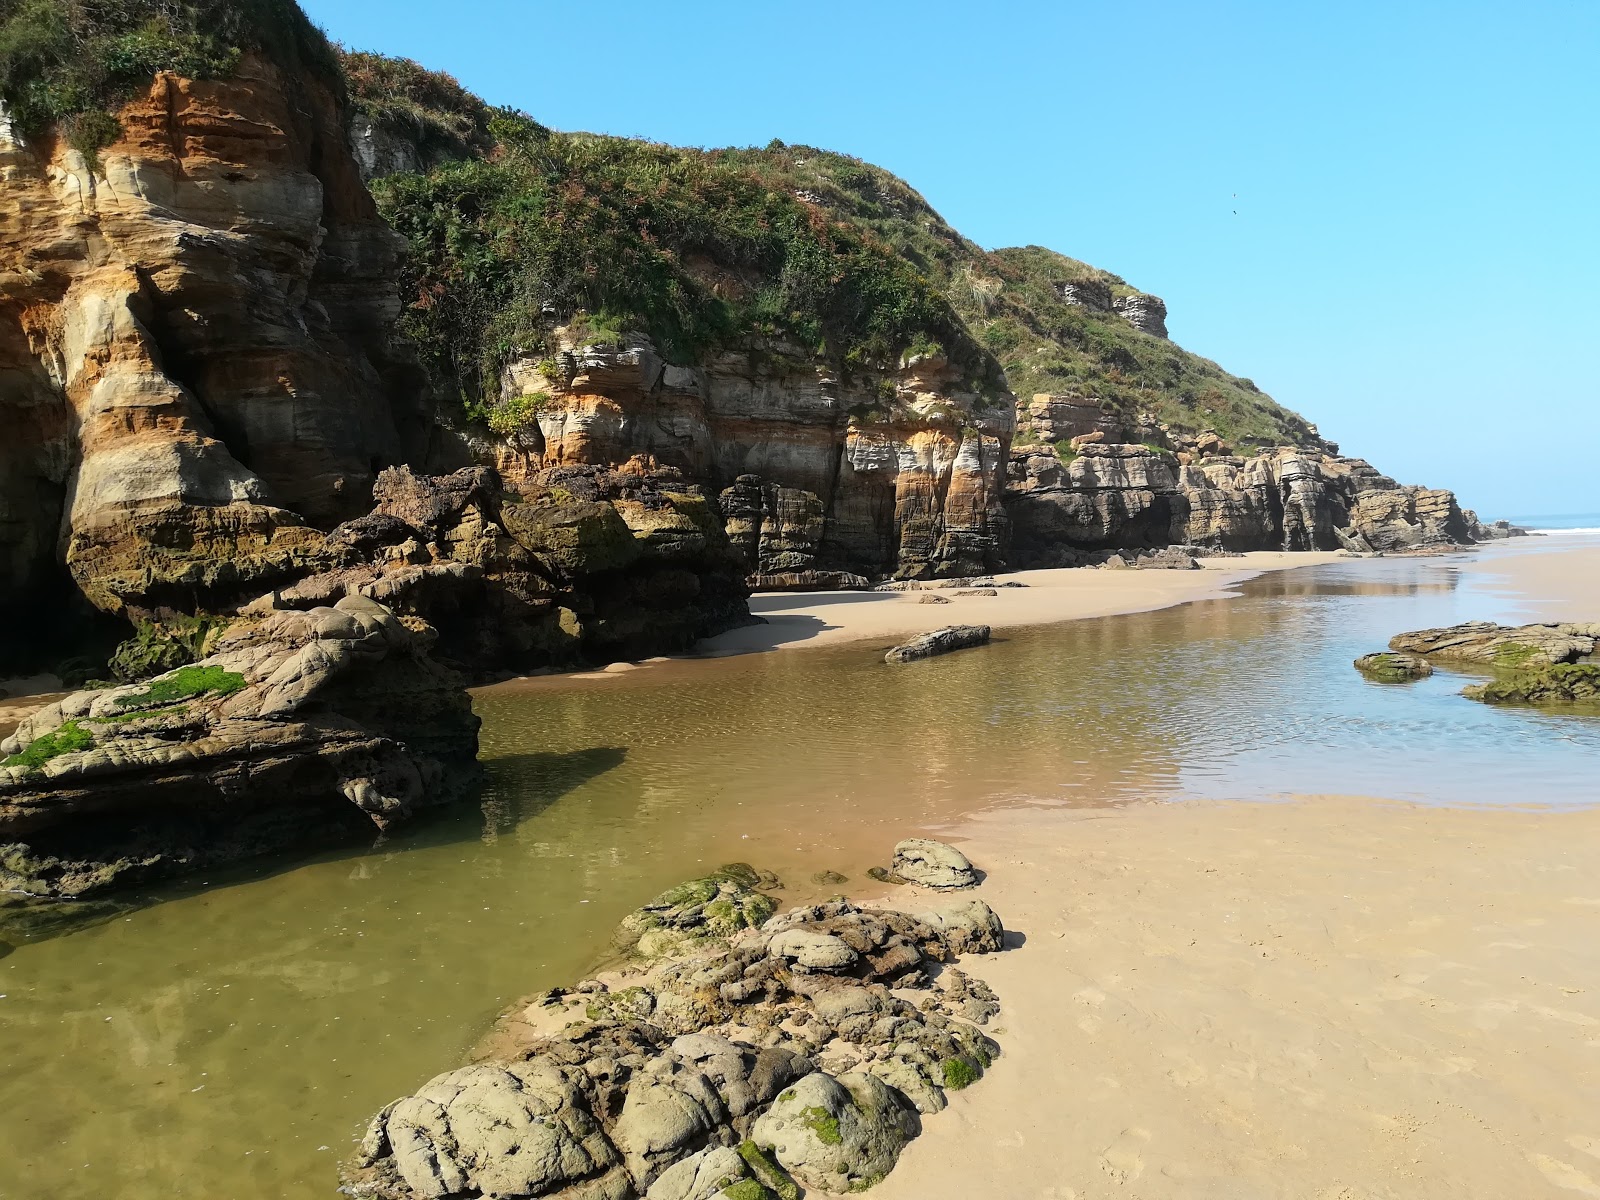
{"x": 826, "y": 618}
{"x": 1337, "y": 999}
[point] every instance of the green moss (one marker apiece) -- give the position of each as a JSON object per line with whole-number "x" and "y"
{"x": 768, "y": 1171}
{"x": 1511, "y": 655}
{"x": 159, "y": 647}
{"x": 958, "y": 1073}
{"x": 68, "y": 738}
{"x": 184, "y": 683}
{"x": 746, "y": 1189}
{"x": 1391, "y": 668}
{"x": 823, "y": 1124}
{"x": 1561, "y": 683}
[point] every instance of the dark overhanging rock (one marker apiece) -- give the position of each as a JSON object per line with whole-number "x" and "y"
{"x": 303, "y": 727}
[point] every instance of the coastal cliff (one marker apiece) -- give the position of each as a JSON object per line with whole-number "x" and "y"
{"x": 282, "y": 324}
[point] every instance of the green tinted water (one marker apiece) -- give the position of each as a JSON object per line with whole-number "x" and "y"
{"x": 229, "y": 1038}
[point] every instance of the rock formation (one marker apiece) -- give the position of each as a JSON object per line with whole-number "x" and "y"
{"x": 940, "y": 641}
{"x": 195, "y": 331}
{"x": 301, "y": 727}
{"x": 1107, "y": 495}
{"x": 744, "y": 1062}
{"x": 1548, "y": 663}
{"x": 1394, "y": 668}
{"x": 863, "y": 475}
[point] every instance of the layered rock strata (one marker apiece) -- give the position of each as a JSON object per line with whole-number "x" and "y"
{"x": 1108, "y": 496}
{"x": 301, "y": 727}
{"x": 872, "y": 475}
{"x": 1551, "y": 663}
{"x": 805, "y": 1051}
{"x": 939, "y": 641}
{"x": 195, "y": 338}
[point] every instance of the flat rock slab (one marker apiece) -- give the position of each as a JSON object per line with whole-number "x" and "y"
{"x": 1502, "y": 645}
{"x": 940, "y": 641}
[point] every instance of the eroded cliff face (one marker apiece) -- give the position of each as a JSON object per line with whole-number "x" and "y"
{"x": 1108, "y": 496}
{"x": 878, "y": 474}
{"x": 194, "y": 339}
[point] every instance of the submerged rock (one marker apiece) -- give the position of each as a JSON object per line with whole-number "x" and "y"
{"x": 1393, "y": 668}
{"x": 1559, "y": 683}
{"x": 302, "y": 727}
{"x": 940, "y": 641}
{"x": 932, "y": 864}
{"x": 792, "y": 1042}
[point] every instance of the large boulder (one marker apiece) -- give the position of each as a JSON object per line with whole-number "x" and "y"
{"x": 1489, "y": 644}
{"x": 838, "y": 1134}
{"x": 932, "y": 864}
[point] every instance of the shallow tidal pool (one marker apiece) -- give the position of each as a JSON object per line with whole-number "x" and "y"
{"x": 229, "y": 1037}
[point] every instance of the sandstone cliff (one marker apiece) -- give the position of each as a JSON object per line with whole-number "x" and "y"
{"x": 195, "y": 338}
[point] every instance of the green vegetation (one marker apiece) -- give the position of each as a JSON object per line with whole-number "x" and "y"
{"x": 767, "y": 1170}
{"x": 159, "y": 647}
{"x": 72, "y": 63}
{"x": 428, "y": 108}
{"x": 1562, "y": 683}
{"x": 823, "y": 1124}
{"x": 1511, "y": 656}
{"x": 746, "y": 1189}
{"x": 958, "y": 1073}
{"x": 183, "y": 684}
{"x": 697, "y": 249}
{"x": 66, "y": 739}
{"x": 517, "y": 412}
{"x": 1393, "y": 668}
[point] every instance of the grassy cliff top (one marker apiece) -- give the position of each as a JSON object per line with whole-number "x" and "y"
{"x": 698, "y": 249}
{"x": 70, "y": 64}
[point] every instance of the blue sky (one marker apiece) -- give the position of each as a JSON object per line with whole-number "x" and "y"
{"x": 1384, "y": 214}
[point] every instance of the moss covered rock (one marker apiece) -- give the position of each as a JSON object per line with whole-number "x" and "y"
{"x": 1389, "y": 667}
{"x": 1559, "y": 683}
{"x": 717, "y": 905}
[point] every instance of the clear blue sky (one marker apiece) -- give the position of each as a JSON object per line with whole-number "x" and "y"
{"x": 1383, "y": 213}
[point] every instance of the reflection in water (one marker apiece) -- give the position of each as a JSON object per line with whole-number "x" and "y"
{"x": 228, "y": 1040}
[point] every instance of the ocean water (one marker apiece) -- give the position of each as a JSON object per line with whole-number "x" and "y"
{"x": 229, "y": 1037}
{"x": 1560, "y": 522}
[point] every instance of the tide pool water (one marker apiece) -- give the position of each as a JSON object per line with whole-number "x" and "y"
{"x": 229, "y": 1037}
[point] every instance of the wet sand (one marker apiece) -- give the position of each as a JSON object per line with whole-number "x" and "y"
{"x": 1334, "y": 998}
{"x": 830, "y": 618}
{"x": 1561, "y": 583}
{"x": 1331, "y": 998}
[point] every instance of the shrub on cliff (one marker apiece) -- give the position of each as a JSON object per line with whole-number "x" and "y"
{"x": 72, "y": 63}
{"x": 695, "y": 248}
{"x": 427, "y": 107}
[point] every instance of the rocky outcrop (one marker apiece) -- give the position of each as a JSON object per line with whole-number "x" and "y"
{"x": 1117, "y": 496}
{"x": 1489, "y": 644}
{"x": 1393, "y": 668}
{"x": 300, "y": 728}
{"x": 577, "y": 563}
{"x": 1145, "y": 313}
{"x": 940, "y": 641}
{"x": 872, "y": 475}
{"x": 1561, "y": 683}
{"x": 195, "y": 335}
{"x": 738, "y": 1066}
{"x": 932, "y": 864}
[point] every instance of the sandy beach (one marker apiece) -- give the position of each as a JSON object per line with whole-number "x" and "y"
{"x": 829, "y": 618}
{"x": 1330, "y": 997}
{"x": 1334, "y": 998}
